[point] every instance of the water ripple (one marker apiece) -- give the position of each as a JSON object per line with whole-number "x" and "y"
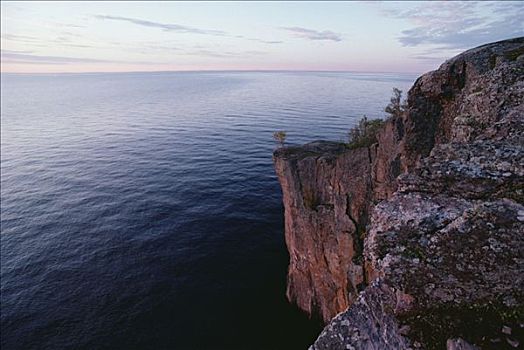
{"x": 141, "y": 211}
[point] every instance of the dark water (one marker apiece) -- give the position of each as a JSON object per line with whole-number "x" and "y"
{"x": 141, "y": 211}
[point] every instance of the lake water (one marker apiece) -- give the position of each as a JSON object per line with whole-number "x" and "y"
{"x": 141, "y": 211}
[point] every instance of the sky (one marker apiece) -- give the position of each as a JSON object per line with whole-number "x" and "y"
{"x": 410, "y": 37}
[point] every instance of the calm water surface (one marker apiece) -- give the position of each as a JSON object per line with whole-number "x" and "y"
{"x": 141, "y": 211}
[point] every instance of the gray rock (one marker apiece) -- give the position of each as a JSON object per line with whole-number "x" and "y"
{"x": 459, "y": 344}
{"x": 369, "y": 324}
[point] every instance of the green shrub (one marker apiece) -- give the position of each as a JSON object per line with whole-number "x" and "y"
{"x": 364, "y": 134}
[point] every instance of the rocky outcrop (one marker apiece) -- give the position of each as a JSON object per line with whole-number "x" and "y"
{"x": 324, "y": 212}
{"x": 365, "y": 326}
{"x": 476, "y": 95}
{"x": 440, "y": 214}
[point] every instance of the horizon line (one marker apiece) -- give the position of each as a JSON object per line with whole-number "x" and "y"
{"x": 212, "y": 71}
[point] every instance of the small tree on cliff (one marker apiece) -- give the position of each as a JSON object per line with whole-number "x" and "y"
{"x": 364, "y": 134}
{"x": 396, "y": 107}
{"x": 280, "y": 137}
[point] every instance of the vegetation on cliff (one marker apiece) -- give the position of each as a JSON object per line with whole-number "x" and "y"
{"x": 396, "y": 106}
{"x": 364, "y": 134}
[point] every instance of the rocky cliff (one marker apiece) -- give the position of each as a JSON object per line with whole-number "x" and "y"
{"x": 326, "y": 192}
{"x": 418, "y": 240}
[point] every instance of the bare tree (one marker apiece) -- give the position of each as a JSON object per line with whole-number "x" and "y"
{"x": 396, "y": 107}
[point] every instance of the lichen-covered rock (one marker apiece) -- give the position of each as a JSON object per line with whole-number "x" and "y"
{"x": 447, "y": 267}
{"x": 459, "y": 261}
{"x": 368, "y": 325}
{"x": 477, "y": 170}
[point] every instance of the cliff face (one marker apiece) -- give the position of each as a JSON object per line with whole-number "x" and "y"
{"x": 326, "y": 193}
{"x": 433, "y": 213}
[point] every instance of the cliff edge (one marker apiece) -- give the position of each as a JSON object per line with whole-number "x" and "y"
{"x": 418, "y": 240}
